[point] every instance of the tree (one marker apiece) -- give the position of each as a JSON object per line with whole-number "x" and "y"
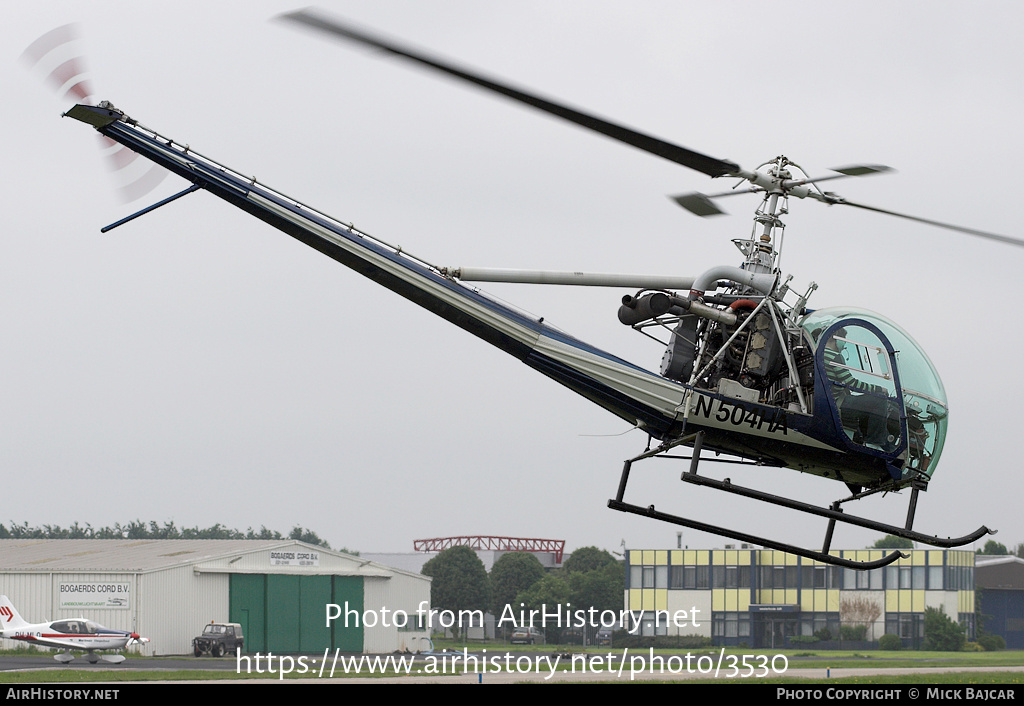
{"x": 600, "y": 588}
{"x": 861, "y": 612}
{"x": 138, "y": 529}
{"x": 994, "y": 548}
{"x": 587, "y": 559}
{"x": 512, "y": 573}
{"x": 460, "y": 581}
{"x": 549, "y": 595}
{"x": 308, "y": 536}
{"x": 891, "y": 541}
{"x": 941, "y": 633}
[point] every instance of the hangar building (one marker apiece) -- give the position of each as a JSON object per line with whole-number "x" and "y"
{"x": 1001, "y": 594}
{"x": 168, "y": 589}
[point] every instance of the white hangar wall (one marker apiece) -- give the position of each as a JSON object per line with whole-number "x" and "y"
{"x": 167, "y": 590}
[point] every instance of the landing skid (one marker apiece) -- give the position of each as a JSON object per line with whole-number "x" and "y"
{"x": 834, "y": 514}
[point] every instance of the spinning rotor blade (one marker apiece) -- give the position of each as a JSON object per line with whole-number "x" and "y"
{"x": 70, "y": 74}
{"x": 939, "y": 224}
{"x": 702, "y": 205}
{"x": 712, "y": 166}
{"x": 57, "y": 53}
{"x": 852, "y": 170}
{"x": 680, "y": 155}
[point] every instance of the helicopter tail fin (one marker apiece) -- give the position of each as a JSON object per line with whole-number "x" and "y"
{"x": 9, "y": 616}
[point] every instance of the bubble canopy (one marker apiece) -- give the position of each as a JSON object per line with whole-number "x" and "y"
{"x": 923, "y": 394}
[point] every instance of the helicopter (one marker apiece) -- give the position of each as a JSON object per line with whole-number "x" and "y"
{"x": 843, "y": 394}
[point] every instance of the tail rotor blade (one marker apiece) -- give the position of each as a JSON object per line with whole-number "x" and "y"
{"x": 70, "y": 75}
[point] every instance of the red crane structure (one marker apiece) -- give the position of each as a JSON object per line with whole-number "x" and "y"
{"x": 499, "y": 544}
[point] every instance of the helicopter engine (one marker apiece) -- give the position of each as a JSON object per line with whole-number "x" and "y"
{"x": 751, "y": 354}
{"x": 720, "y": 337}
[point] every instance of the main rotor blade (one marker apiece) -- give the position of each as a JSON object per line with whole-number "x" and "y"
{"x": 939, "y": 224}
{"x": 680, "y": 155}
{"x": 852, "y": 170}
{"x": 701, "y": 204}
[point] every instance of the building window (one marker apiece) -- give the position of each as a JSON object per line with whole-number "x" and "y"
{"x": 820, "y": 576}
{"x": 814, "y": 623}
{"x": 730, "y": 577}
{"x": 690, "y": 577}
{"x": 654, "y": 623}
{"x": 731, "y": 625}
{"x": 854, "y": 580}
{"x": 780, "y": 577}
{"x": 909, "y": 626}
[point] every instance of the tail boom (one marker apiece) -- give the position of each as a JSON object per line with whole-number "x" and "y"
{"x": 632, "y": 393}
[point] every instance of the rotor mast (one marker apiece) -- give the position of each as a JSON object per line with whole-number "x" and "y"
{"x": 763, "y": 249}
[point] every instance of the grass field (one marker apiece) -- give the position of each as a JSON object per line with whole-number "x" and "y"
{"x": 947, "y": 667}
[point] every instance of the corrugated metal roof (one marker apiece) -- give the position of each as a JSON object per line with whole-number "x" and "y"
{"x": 132, "y": 555}
{"x": 1005, "y": 571}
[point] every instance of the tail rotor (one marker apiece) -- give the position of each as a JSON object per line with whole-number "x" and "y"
{"x": 58, "y": 55}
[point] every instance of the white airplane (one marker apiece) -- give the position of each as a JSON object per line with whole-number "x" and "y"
{"x": 70, "y": 634}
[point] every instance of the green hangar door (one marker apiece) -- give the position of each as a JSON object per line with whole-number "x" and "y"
{"x": 287, "y": 614}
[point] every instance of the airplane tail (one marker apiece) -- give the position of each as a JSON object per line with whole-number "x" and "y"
{"x": 9, "y": 616}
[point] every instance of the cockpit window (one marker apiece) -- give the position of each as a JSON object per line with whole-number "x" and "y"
{"x": 859, "y": 373}
{"x": 75, "y": 627}
{"x": 923, "y": 394}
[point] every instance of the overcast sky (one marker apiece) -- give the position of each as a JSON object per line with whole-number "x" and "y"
{"x": 197, "y": 366}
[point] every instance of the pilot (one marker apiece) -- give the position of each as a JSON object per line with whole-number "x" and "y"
{"x": 862, "y": 406}
{"x": 918, "y": 440}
